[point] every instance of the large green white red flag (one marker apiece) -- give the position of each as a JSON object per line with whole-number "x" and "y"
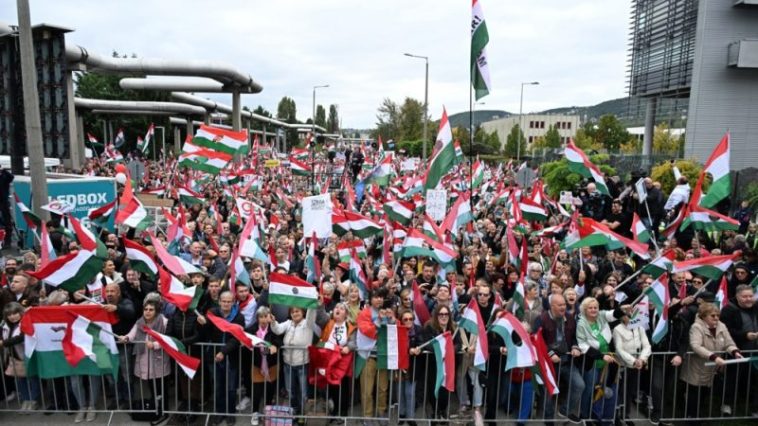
{"x": 399, "y": 211}
{"x": 361, "y": 226}
{"x": 703, "y": 219}
{"x": 660, "y": 265}
{"x": 140, "y": 258}
{"x": 718, "y": 166}
{"x": 176, "y": 350}
{"x": 289, "y": 290}
{"x": 459, "y": 215}
{"x": 480, "y": 73}
{"x": 174, "y": 291}
{"x": 521, "y": 355}
{"x": 639, "y": 230}
{"x": 472, "y": 321}
{"x": 91, "y": 344}
{"x": 221, "y": 140}
{"x": 236, "y": 330}
{"x": 444, "y": 353}
{"x": 392, "y": 350}
{"x": 711, "y": 267}
{"x": 443, "y": 157}
{"x": 578, "y": 162}
{"x": 176, "y": 265}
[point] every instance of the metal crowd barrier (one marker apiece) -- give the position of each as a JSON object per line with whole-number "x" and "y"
{"x": 624, "y": 393}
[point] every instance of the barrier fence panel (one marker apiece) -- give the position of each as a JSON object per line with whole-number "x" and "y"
{"x": 232, "y": 386}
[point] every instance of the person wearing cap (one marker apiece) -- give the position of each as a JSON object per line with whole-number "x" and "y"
{"x": 710, "y": 340}
{"x": 740, "y": 275}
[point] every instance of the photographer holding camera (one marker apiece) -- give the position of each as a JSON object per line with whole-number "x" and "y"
{"x": 594, "y": 204}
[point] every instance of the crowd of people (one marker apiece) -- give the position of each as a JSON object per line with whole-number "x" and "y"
{"x": 584, "y": 302}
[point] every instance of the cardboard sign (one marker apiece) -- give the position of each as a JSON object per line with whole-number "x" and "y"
{"x": 641, "y": 189}
{"x": 436, "y": 204}
{"x": 272, "y": 163}
{"x": 317, "y": 216}
{"x": 409, "y": 164}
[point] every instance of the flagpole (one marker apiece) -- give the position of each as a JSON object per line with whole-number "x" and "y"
{"x": 471, "y": 138}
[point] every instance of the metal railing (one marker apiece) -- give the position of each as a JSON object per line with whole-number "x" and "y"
{"x": 235, "y": 387}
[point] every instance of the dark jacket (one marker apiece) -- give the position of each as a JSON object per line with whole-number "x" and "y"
{"x": 733, "y": 316}
{"x": 549, "y": 333}
{"x": 184, "y": 326}
{"x": 127, "y": 316}
{"x": 212, "y": 334}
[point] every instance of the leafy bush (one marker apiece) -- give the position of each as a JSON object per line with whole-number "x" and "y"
{"x": 559, "y": 178}
{"x": 664, "y": 174}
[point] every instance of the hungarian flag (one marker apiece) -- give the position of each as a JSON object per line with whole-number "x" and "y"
{"x": 188, "y": 196}
{"x": 299, "y": 168}
{"x": 532, "y": 211}
{"x": 382, "y": 173}
{"x": 545, "y": 370}
{"x": 148, "y": 137}
{"x": 176, "y": 265}
{"x": 658, "y": 294}
{"x": 32, "y": 220}
{"x": 521, "y": 354}
{"x": 711, "y": 267}
{"x": 703, "y": 219}
{"x": 477, "y": 176}
{"x": 660, "y": 265}
{"x": 82, "y": 340}
{"x": 176, "y": 293}
{"x": 102, "y": 215}
{"x": 444, "y": 154}
{"x": 47, "y": 252}
{"x": 120, "y": 138}
{"x": 56, "y": 335}
{"x": 459, "y": 215}
{"x": 472, "y": 321}
{"x": 431, "y": 229}
{"x": 480, "y": 72}
{"x": 718, "y": 166}
{"x": 92, "y": 141}
{"x": 399, "y": 211}
{"x": 289, "y": 290}
{"x": 670, "y": 231}
{"x": 392, "y": 350}
{"x": 203, "y": 159}
{"x": 140, "y": 258}
{"x": 578, "y": 162}
{"x": 311, "y": 260}
{"x": 419, "y": 307}
{"x": 328, "y": 365}
{"x": 248, "y": 340}
{"x": 444, "y": 353}
{"x": 299, "y": 154}
{"x": 640, "y": 231}
{"x": 221, "y": 140}
{"x": 418, "y": 244}
{"x": 176, "y": 350}
{"x": 345, "y": 249}
{"x": 357, "y": 275}
{"x": 72, "y": 271}
{"x": 361, "y": 226}
{"x": 722, "y": 296}
{"x": 592, "y": 233}
{"x": 238, "y": 271}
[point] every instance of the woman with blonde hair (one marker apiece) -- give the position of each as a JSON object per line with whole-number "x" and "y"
{"x": 711, "y": 341}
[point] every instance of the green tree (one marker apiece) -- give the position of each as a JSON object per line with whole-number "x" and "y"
{"x": 333, "y": 122}
{"x": 664, "y": 142}
{"x": 610, "y": 133}
{"x": 585, "y": 141}
{"x": 664, "y": 173}
{"x": 388, "y": 120}
{"x": 515, "y": 143}
{"x": 257, "y": 124}
{"x": 286, "y": 111}
{"x": 411, "y": 124}
{"x": 559, "y": 178}
{"x": 632, "y": 146}
{"x": 552, "y": 138}
{"x": 320, "y": 116}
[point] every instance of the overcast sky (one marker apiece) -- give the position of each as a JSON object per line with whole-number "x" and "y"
{"x": 576, "y": 49}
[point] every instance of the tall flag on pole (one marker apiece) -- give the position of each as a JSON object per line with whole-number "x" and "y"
{"x": 444, "y": 154}
{"x": 480, "y": 73}
{"x": 718, "y": 166}
{"x": 148, "y": 137}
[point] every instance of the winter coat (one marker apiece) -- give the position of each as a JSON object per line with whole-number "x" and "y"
{"x": 630, "y": 345}
{"x": 149, "y": 364}
{"x": 588, "y": 344}
{"x": 706, "y": 347}
{"x": 297, "y": 338}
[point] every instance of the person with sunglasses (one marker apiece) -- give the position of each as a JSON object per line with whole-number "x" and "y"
{"x": 440, "y": 322}
{"x": 415, "y": 373}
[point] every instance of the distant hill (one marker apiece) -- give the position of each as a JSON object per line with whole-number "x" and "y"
{"x": 618, "y": 107}
{"x": 460, "y": 119}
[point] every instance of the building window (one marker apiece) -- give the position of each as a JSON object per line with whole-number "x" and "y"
{"x": 531, "y": 138}
{"x": 531, "y": 124}
{"x": 542, "y": 124}
{"x": 568, "y": 125}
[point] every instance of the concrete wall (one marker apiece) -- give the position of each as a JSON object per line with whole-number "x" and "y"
{"x": 723, "y": 98}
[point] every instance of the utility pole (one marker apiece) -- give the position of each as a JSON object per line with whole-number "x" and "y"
{"x": 34, "y": 148}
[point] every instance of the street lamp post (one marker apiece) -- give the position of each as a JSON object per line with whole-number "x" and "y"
{"x": 426, "y": 99}
{"x": 521, "y": 117}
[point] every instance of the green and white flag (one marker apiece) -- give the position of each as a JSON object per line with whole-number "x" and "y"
{"x": 443, "y": 157}
{"x": 480, "y": 73}
{"x": 718, "y": 166}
